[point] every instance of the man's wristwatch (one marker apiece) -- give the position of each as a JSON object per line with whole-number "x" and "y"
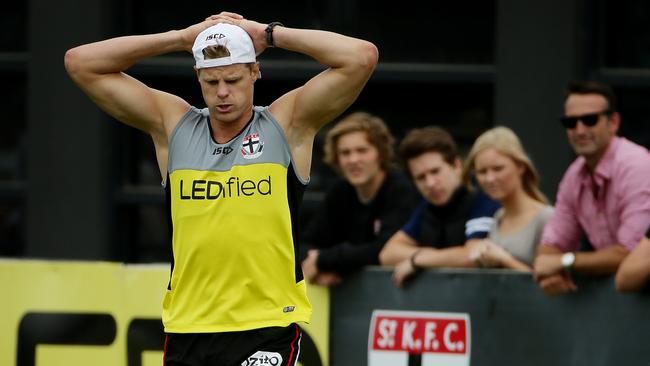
{"x": 269, "y": 33}
{"x": 568, "y": 259}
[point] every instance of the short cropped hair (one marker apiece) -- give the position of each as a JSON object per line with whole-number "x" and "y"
{"x": 594, "y": 87}
{"x": 218, "y": 51}
{"x": 376, "y": 131}
{"x": 419, "y": 141}
{"x": 215, "y": 51}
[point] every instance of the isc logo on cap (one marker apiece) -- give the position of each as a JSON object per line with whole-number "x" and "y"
{"x": 215, "y": 36}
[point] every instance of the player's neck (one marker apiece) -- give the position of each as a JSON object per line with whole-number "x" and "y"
{"x": 224, "y": 131}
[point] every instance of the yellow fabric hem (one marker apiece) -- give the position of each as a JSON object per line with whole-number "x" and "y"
{"x": 213, "y": 328}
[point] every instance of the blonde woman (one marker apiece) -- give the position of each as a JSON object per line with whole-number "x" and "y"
{"x": 505, "y": 172}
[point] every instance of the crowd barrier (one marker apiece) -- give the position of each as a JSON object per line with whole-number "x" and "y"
{"x": 485, "y": 318}
{"x": 56, "y": 313}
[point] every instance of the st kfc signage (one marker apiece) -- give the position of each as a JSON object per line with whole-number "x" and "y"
{"x": 405, "y": 338}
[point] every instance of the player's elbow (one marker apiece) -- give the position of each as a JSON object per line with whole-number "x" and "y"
{"x": 368, "y": 56}
{"x": 76, "y": 65}
{"x": 360, "y": 59}
{"x": 71, "y": 60}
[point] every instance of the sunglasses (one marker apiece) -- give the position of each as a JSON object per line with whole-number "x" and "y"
{"x": 588, "y": 120}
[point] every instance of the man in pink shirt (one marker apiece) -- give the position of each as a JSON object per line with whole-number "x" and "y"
{"x": 605, "y": 193}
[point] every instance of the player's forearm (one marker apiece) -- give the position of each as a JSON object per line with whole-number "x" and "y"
{"x": 118, "y": 54}
{"x": 330, "y": 49}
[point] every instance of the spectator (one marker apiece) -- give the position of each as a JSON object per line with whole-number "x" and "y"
{"x": 634, "y": 272}
{"x": 605, "y": 193}
{"x": 505, "y": 172}
{"x": 447, "y": 217}
{"x": 362, "y": 210}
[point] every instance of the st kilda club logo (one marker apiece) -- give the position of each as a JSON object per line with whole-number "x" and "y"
{"x": 252, "y": 146}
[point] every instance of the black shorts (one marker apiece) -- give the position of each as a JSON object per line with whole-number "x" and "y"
{"x": 274, "y": 346}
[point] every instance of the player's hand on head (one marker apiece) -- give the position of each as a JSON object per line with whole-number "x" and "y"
{"x": 225, "y": 14}
{"x": 257, "y": 32}
{"x": 189, "y": 34}
{"x": 254, "y": 29}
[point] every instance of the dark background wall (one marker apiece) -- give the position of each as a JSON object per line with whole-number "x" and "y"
{"x": 76, "y": 184}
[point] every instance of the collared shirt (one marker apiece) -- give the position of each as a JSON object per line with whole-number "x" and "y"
{"x": 611, "y": 206}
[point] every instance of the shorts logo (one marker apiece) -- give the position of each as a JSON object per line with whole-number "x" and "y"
{"x": 252, "y": 147}
{"x": 261, "y": 358}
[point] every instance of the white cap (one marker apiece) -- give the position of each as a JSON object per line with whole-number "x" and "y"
{"x": 234, "y": 38}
